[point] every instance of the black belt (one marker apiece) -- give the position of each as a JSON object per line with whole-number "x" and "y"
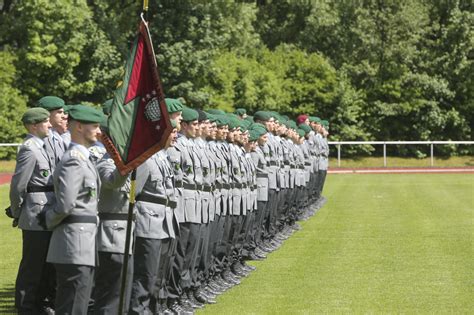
{"x": 33, "y": 189}
{"x": 157, "y": 200}
{"x": 238, "y": 185}
{"x": 178, "y": 183}
{"x": 226, "y": 186}
{"x": 286, "y": 163}
{"x": 189, "y": 186}
{"x": 80, "y": 219}
{"x": 262, "y": 175}
{"x": 219, "y": 186}
{"x": 207, "y": 188}
{"x": 104, "y": 216}
{"x": 301, "y": 167}
{"x": 254, "y": 187}
{"x": 273, "y": 163}
{"x": 307, "y": 163}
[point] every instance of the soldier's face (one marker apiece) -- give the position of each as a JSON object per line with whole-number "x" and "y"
{"x": 212, "y": 131}
{"x": 204, "y": 128}
{"x": 91, "y": 133}
{"x": 262, "y": 140}
{"x": 176, "y": 116}
{"x": 41, "y": 129}
{"x": 171, "y": 141}
{"x": 190, "y": 128}
{"x": 58, "y": 119}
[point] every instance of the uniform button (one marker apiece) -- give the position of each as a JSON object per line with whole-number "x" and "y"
{"x": 115, "y": 224}
{"x": 81, "y": 228}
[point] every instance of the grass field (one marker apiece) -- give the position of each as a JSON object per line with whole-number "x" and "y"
{"x": 382, "y": 244}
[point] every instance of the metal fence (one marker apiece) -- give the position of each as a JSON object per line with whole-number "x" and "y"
{"x": 338, "y": 144}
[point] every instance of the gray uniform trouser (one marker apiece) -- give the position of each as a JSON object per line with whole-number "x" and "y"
{"x": 213, "y": 241}
{"x": 222, "y": 246}
{"x": 108, "y": 283}
{"x": 74, "y": 288}
{"x": 186, "y": 254}
{"x": 247, "y": 232}
{"x": 145, "y": 267}
{"x": 164, "y": 280}
{"x": 36, "y": 278}
{"x": 203, "y": 258}
{"x": 322, "y": 179}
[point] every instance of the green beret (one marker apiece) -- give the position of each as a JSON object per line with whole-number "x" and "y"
{"x": 292, "y": 124}
{"x": 86, "y": 114}
{"x": 105, "y": 107}
{"x": 301, "y": 132}
{"x": 202, "y": 116}
{"x": 212, "y": 118}
{"x": 276, "y": 116}
{"x": 305, "y": 128}
{"x": 173, "y": 105}
{"x": 173, "y": 123}
{"x": 240, "y": 111}
{"x": 51, "y": 103}
{"x": 249, "y": 118}
{"x": 315, "y": 119}
{"x": 325, "y": 123}
{"x": 221, "y": 120}
{"x": 262, "y": 115}
{"x": 189, "y": 114}
{"x": 245, "y": 124}
{"x": 253, "y": 125}
{"x": 253, "y": 135}
{"x": 233, "y": 122}
{"x": 215, "y": 111}
{"x": 67, "y": 108}
{"x": 35, "y": 115}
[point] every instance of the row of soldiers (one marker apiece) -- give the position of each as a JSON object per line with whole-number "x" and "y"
{"x": 226, "y": 188}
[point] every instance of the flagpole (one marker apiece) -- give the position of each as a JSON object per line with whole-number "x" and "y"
{"x": 131, "y": 206}
{"x": 128, "y": 238}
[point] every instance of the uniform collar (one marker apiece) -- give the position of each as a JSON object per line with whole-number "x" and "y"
{"x": 36, "y": 139}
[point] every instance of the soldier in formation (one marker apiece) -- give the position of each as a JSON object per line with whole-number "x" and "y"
{"x": 225, "y": 189}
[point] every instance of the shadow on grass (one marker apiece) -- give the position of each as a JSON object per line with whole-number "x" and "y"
{"x": 7, "y": 300}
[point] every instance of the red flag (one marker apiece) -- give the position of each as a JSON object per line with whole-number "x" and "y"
{"x": 138, "y": 125}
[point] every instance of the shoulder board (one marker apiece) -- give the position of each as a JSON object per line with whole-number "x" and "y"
{"x": 30, "y": 142}
{"x": 77, "y": 154}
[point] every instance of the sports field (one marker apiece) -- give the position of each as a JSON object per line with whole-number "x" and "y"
{"x": 396, "y": 243}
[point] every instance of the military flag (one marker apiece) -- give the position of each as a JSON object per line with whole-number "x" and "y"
{"x": 138, "y": 125}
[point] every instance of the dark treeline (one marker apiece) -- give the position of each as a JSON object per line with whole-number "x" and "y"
{"x": 377, "y": 70}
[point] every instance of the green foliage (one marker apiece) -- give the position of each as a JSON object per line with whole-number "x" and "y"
{"x": 377, "y": 70}
{"x": 12, "y": 106}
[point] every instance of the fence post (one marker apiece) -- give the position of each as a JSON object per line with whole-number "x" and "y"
{"x": 431, "y": 149}
{"x": 339, "y": 155}
{"x": 384, "y": 154}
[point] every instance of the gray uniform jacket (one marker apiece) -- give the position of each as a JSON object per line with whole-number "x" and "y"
{"x": 324, "y": 158}
{"x": 76, "y": 184}
{"x": 270, "y": 151}
{"x": 218, "y": 162}
{"x": 113, "y": 199}
{"x": 155, "y": 179}
{"x": 236, "y": 178}
{"x": 260, "y": 163}
{"x": 206, "y": 179}
{"x": 182, "y": 163}
{"x": 32, "y": 170}
{"x": 226, "y": 176}
{"x": 55, "y": 147}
